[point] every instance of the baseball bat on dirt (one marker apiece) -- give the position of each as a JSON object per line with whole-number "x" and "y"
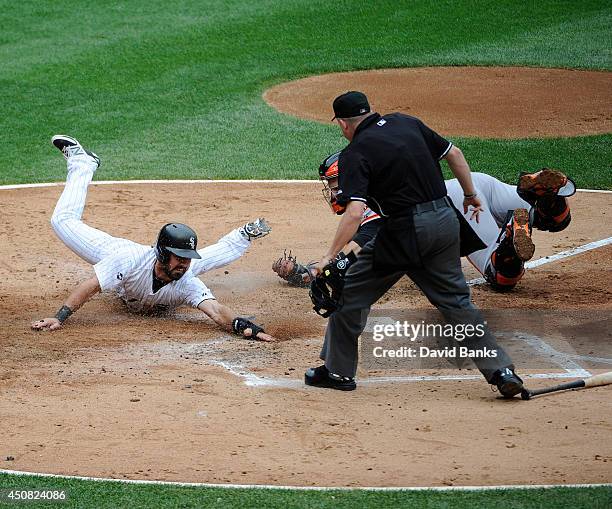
{"x": 593, "y": 381}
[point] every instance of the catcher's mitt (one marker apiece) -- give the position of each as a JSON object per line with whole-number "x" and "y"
{"x": 288, "y": 268}
{"x": 326, "y": 290}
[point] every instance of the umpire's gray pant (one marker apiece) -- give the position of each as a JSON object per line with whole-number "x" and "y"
{"x": 441, "y": 280}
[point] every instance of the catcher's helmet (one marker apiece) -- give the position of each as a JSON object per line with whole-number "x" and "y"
{"x": 329, "y": 167}
{"x": 328, "y": 170}
{"x": 178, "y": 239}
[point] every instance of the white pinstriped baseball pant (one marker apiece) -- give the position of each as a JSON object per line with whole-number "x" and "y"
{"x": 92, "y": 245}
{"x": 88, "y": 243}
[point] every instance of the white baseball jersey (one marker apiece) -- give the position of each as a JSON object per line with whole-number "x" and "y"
{"x": 129, "y": 273}
{"x": 124, "y": 266}
{"x": 497, "y": 199}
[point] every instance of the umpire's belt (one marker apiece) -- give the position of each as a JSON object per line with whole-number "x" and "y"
{"x": 469, "y": 241}
{"x": 396, "y": 246}
{"x": 428, "y": 206}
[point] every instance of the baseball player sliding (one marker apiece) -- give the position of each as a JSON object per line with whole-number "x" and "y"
{"x": 147, "y": 279}
{"x": 504, "y": 225}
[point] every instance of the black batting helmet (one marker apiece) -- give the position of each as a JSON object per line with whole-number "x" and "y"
{"x": 178, "y": 239}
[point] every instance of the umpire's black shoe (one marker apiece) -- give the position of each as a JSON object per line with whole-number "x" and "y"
{"x": 321, "y": 377}
{"x": 508, "y": 382}
{"x": 71, "y": 147}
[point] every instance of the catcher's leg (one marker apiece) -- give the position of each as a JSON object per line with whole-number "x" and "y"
{"x": 498, "y": 262}
{"x": 487, "y": 227}
{"x": 89, "y": 243}
{"x": 507, "y": 263}
{"x": 547, "y": 192}
{"x": 501, "y": 197}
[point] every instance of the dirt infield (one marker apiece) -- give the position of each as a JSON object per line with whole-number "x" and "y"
{"x": 119, "y": 395}
{"x": 485, "y": 102}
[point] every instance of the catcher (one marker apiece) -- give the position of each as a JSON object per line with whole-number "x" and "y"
{"x": 510, "y": 212}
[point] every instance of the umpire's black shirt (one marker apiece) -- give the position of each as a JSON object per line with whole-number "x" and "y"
{"x": 392, "y": 163}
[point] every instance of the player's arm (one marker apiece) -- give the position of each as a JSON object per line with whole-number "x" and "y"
{"x": 226, "y": 318}
{"x": 461, "y": 169}
{"x": 229, "y": 247}
{"x": 351, "y": 247}
{"x": 79, "y": 296}
{"x": 366, "y": 232}
{"x": 351, "y": 219}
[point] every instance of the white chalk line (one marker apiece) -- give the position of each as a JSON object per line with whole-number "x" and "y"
{"x": 590, "y": 358}
{"x": 472, "y": 282}
{"x": 253, "y": 380}
{"x": 565, "y": 361}
{"x": 170, "y": 181}
{"x": 553, "y": 258}
{"x": 204, "y": 181}
{"x": 307, "y": 488}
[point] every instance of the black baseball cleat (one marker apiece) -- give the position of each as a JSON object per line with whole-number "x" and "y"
{"x": 321, "y": 377}
{"x": 71, "y": 147}
{"x": 508, "y": 382}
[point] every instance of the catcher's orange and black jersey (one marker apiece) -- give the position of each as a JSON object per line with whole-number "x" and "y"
{"x": 370, "y": 223}
{"x": 392, "y": 163}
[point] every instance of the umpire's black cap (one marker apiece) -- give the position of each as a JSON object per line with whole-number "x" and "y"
{"x": 350, "y": 104}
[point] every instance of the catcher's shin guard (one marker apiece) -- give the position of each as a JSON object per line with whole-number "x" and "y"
{"x": 507, "y": 261}
{"x": 547, "y": 191}
{"x": 552, "y": 214}
{"x": 504, "y": 271}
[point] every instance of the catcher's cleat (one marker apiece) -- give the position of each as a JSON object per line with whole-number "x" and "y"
{"x": 508, "y": 383}
{"x": 70, "y": 147}
{"x": 321, "y": 377}
{"x": 544, "y": 183}
{"x": 521, "y": 234}
{"x": 507, "y": 261}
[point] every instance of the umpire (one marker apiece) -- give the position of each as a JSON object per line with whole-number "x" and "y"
{"x": 392, "y": 164}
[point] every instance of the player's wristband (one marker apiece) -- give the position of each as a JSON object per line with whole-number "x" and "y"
{"x": 63, "y": 313}
{"x": 473, "y": 195}
{"x": 239, "y": 325}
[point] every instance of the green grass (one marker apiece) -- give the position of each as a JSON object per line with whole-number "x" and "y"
{"x": 174, "y": 91}
{"x": 102, "y": 494}
{"x": 581, "y": 157}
